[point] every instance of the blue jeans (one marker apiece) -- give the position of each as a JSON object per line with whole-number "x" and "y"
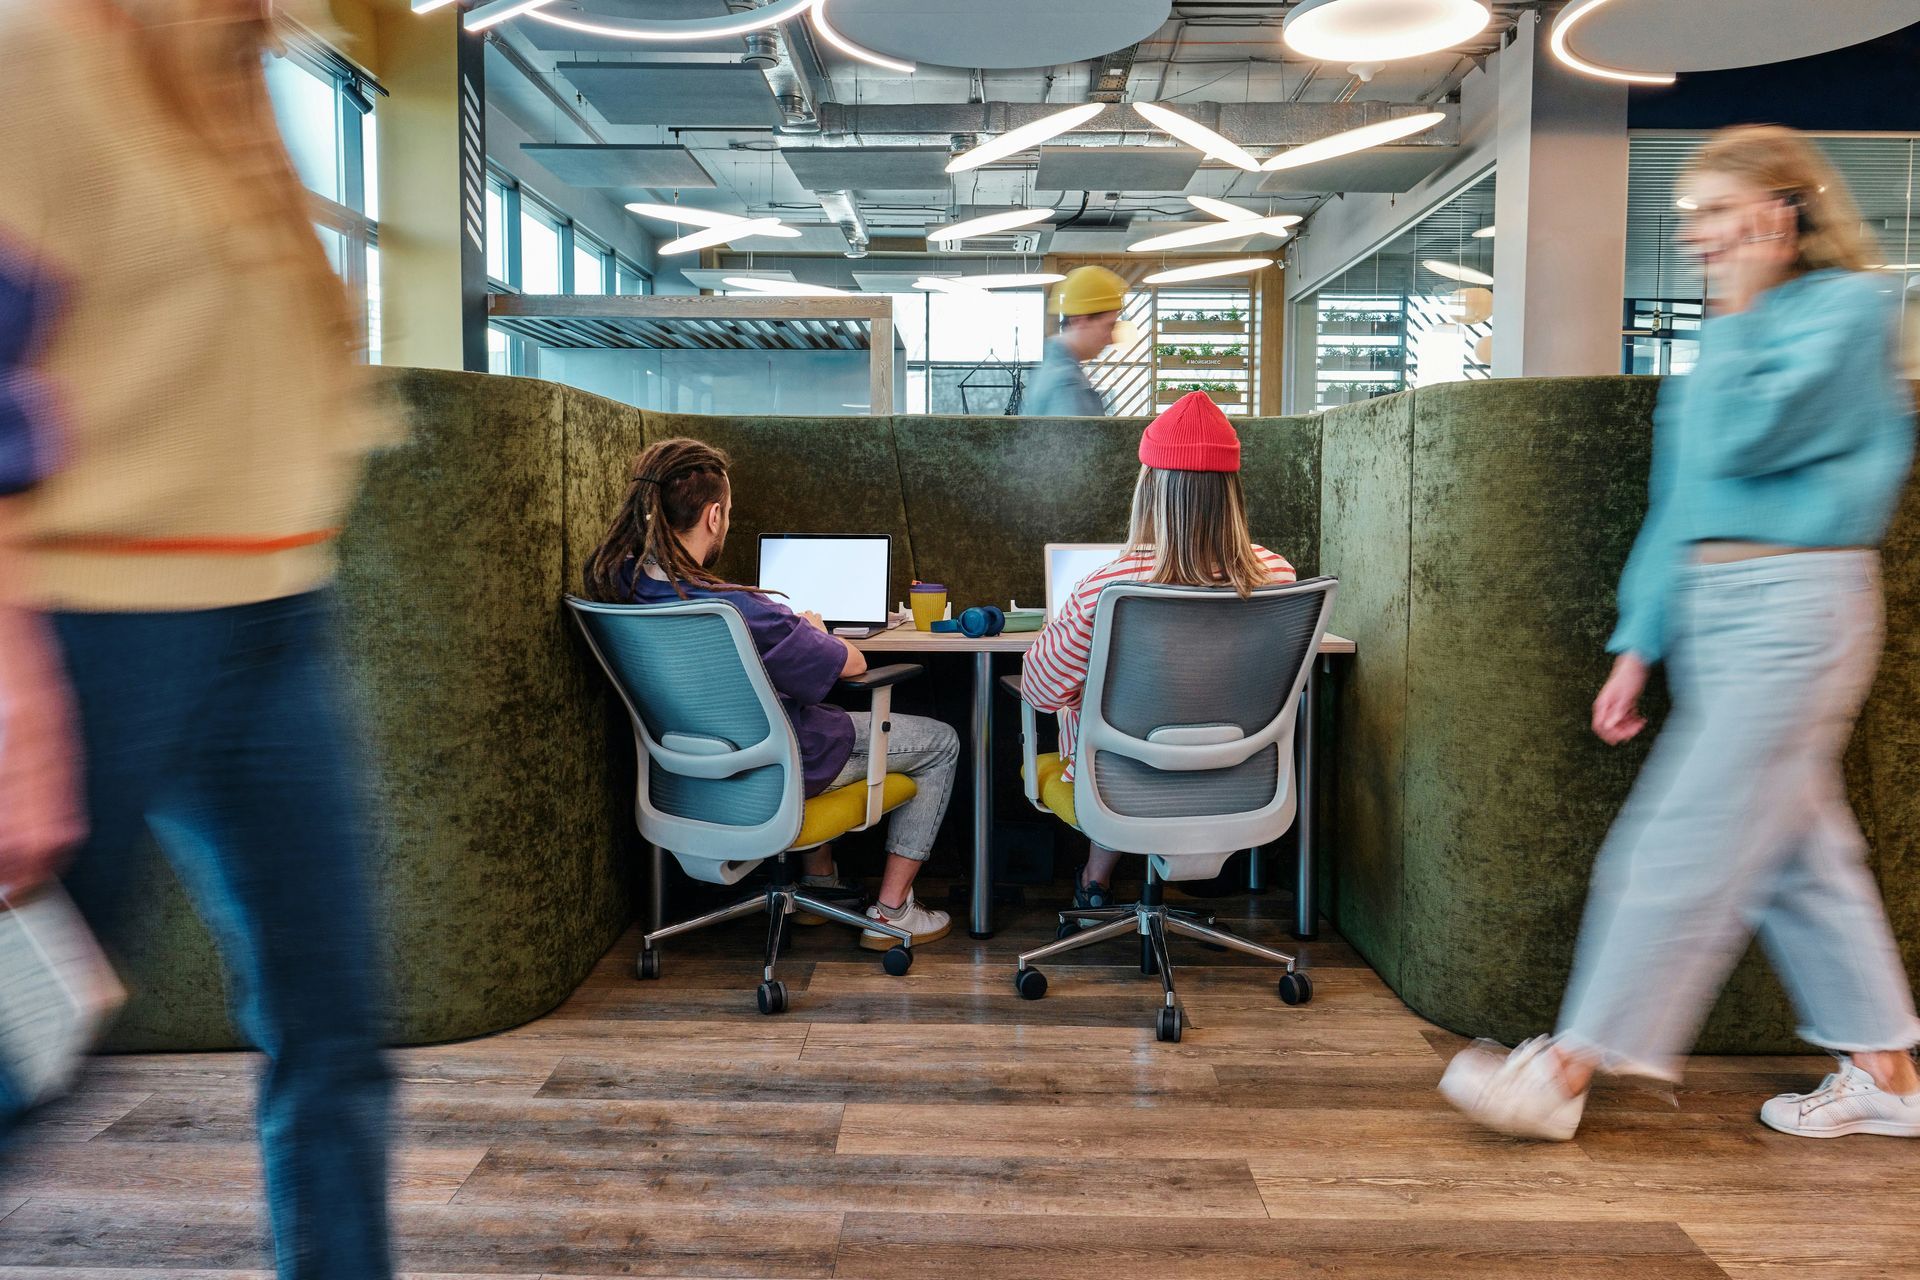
{"x": 222, "y": 731}
{"x": 1739, "y": 824}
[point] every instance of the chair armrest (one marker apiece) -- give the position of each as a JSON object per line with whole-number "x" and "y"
{"x": 882, "y": 677}
{"x": 1010, "y": 684}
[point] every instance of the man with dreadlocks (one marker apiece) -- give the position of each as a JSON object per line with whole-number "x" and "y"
{"x": 662, "y": 546}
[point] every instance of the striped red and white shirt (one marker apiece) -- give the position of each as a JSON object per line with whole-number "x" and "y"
{"x": 1055, "y": 673}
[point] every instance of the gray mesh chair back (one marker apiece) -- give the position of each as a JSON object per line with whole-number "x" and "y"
{"x": 1186, "y": 726}
{"x": 720, "y": 782}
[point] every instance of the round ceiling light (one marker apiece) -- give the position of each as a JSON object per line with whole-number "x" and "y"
{"x": 772, "y": 288}
{"x": 494, "y": 12}
{"x": 1217, "y": 232}
{"x": 726, "y": 233}
{"x": 1381, "y": 30}
{"x": 1365, "y": 138}
{"x": 988, "y": 224}
{"x": 1456, "y": 271}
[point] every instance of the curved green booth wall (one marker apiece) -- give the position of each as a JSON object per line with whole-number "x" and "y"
{"x": 1477, "y": 529}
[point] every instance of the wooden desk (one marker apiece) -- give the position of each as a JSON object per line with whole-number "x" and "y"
{"x": 907, "y": 640}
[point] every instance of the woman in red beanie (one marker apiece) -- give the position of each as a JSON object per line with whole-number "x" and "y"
{"x": 1189, "y": 529}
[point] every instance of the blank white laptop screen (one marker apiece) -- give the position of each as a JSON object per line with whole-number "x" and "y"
{"x": 1070, "y": 562}
{"x": 843, "y": 579}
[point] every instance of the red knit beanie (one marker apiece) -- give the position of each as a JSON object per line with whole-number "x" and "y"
{"x": 1192, "y": 435}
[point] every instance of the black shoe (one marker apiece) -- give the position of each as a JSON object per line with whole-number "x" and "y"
{"x": 835, "y": 889}
{"x": 1090, "y": 896}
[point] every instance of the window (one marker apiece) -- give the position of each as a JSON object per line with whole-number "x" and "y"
{"x": 590, "y": 263}
{"x": 325, "y": 110}
{"x": 499, "y": 246}
{"x": 632, "y": 281}
{"x": 540, "y": 261}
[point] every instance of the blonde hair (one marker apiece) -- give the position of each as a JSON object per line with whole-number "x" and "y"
{"x": 1782, "y": 161}
{"x": 1195, "y": 524}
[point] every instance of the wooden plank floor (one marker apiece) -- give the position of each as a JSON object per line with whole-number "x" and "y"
{"x": 938, "y": 1126}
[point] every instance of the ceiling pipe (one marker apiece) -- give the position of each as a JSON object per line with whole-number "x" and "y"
{"x": 1253, "y": 124}
{"x": 769, "y": 52}
{"x": 845, "y": 214}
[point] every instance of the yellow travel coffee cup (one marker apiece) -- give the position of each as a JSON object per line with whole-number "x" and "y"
{"x": 929, "y": 604}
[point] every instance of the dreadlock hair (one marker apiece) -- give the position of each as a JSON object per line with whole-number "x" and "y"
{"x": 673, "y": 483}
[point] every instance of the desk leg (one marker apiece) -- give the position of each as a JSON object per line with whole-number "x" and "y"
{"x": 1307, "y": 885}
{"x": 980, "y": 914}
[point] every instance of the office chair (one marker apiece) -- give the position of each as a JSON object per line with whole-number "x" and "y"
{"x": 720, "y": 784}
{"x": 1185, "y": 755}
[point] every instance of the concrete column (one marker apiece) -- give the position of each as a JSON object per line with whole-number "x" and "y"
{"x": 1561, "y": 210}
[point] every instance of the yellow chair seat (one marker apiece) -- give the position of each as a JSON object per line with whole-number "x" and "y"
{"x": 836, "y": 812}
{"x": 1055, "y": 792}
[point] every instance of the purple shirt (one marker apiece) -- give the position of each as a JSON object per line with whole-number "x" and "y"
{"x": 26, "y": 309}
{"x": 804, "y": 665}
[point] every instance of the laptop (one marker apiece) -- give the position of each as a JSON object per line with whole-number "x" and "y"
{"x": 1068, "y": 564}
{"x": 841, "y": 577}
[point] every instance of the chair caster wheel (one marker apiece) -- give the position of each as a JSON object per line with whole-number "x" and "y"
{"x": 897, "y": 960}
{"x": 1296, "y": 988}
{"x": 772, "y": 997}
{"x": 649, "y": 966}
{"x": 1170, "y": 1025}
{"x": 1066, "y": 929}
{"x": 1030, "y": 983}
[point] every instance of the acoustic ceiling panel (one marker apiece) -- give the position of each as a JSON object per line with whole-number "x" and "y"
{"x": 1712, "y": 35}
{"x": 603, "y": 165}
{"x": 869, "y": 168}
{"x": 999, "y": 33}
{"x": 555, "y": 39}
{"x": 1381, "y": 169}
{"x": 1116, "y": 168}
{"x": 684, "y": 94}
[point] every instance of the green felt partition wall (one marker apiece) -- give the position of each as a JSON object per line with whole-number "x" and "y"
{"x": 1479, "y": 530}
{"x": 503, "y": 855}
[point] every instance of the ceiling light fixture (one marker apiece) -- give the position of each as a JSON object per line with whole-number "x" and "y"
{"x": 1352, "y": 140}
{"x": 1563, "y": 27}
{"x": 1026, "y": 137}
{"x": 987, "y": 224}
{"x": 686, "y": 215}
{"x": 1216, "y": 232}
{"x": 1687, "y": 203}
{"x": 711, "y": 236}
{"x": 940, "y": 284}
{"x": 680, "y": 30}
{"x": 1380, "y": 30}
{"x": 1222, "y": 209}
{"x": 1195, "y": 134}
{"x": 1014, "y": 280}
{"x": 1454, "y": 271}
{"x": 852, "y": 50}
{"x": 782, "y": 288}
{"x": 1484, "y": 233}
{"x": 428, "y": 6}
{"x": 1209, "y": 270}
{"x": 492, "y": 15}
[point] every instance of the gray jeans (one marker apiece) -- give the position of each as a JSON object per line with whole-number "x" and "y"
{"x": 1739, "y": 823}
{"x": 928, "y": 751}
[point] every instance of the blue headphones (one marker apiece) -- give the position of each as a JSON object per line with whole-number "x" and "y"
{"x": 974, "y": 623}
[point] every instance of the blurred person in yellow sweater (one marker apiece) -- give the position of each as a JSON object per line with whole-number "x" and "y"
{"x": 182, "y": 423}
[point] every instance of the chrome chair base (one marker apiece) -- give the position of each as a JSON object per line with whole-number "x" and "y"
{"x": 779, "y": 900}
{"x": 1154, "y": 921}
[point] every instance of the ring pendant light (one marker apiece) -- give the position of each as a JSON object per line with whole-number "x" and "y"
{"x": 1197, "y": 135}
{"x": 1563, "y": 28}
{"x": 1216, "y": 232}
{"x": 1026, "y": 137}
{"x": 1346, "y": 143}
{"x": 1209, "y": 270}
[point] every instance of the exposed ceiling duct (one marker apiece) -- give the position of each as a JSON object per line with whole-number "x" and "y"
{"x": 1254, "y": 124}
{"x": 770, "y": 51}
{"x": 845, "y": 214}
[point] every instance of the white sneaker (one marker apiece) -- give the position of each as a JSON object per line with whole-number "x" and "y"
{"x": 1516, "y": 1093}
{"x": 1848, "y": 1101}
{"x": 924, "y": 923}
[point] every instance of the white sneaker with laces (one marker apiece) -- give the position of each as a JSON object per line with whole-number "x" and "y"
{"x": 1847, "y": 1101}
{"x": 1517, "y": 1093}
{"x": 923, "y": 922}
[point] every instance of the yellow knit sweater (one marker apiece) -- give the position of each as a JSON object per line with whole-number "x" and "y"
{"x": 208, "y": 421}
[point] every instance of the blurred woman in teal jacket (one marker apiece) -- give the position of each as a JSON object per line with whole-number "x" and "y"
{"x": 1777, "y": 466}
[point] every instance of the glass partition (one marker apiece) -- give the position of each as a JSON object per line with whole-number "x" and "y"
{"x": 1418, "y": 312}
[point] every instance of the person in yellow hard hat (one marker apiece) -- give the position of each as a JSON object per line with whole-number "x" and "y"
{"x": 1088, "y": 303}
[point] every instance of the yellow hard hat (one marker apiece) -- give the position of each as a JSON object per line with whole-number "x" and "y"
{"x": 1087, "y": 291}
